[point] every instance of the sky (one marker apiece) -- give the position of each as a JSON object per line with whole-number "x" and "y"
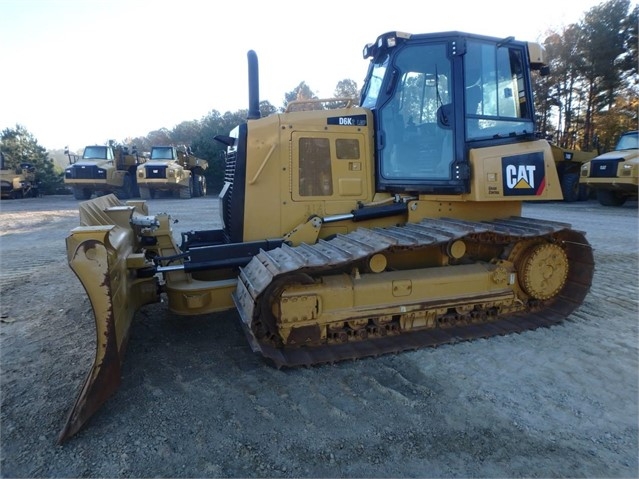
{"x": 81, "y": 72}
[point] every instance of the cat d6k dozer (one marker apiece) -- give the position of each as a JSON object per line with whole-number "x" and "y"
{"x": 355, "y": 232}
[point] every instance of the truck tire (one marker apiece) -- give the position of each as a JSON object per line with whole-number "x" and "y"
{"x": 136, "y": 188}
{"x": 186, "y": 192}
{"x": 145, "y": 193}
{"x": 584, "y": 192}
{"x": 203, "y": 185}
{"x": 196, "y": 185}
{"x": 81, "y": 193}
{"x": 570, "y": 187}
{"x": 200, "y": 185}
{"x": 610, "y": 198}
{"x": 126, "y": 191}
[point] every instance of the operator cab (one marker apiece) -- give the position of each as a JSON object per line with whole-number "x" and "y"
{"x": 435, "y": 96}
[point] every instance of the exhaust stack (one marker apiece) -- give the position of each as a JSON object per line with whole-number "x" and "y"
{"x": 254, "y": 87}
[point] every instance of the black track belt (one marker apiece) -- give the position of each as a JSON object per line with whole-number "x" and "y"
{"x": 338, "y": 252}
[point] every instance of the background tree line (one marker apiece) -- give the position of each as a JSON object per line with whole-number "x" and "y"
{"x": 589, "y": 98}
{"x": 591, "y": 94}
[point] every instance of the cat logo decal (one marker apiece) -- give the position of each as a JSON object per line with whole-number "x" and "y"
{"x": 523, "y": 175}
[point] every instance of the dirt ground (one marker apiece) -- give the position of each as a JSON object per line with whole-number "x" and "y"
{"x": 196, "y": 402}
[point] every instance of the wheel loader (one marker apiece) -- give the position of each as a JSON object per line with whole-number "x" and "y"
{"x": 355, "y": 232}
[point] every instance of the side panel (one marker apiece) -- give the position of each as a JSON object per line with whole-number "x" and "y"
{"x": 329, "y": 166}
{"x": 264, "y": 181}
{"x": 303, "y": 164}
{"x": 518, "y": 172}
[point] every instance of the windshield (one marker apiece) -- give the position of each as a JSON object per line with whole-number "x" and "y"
{"x": 96, "y": 153}
{"x": 375, "y": 83}
{"x": 162, "y": 153}
{"x": 629, "y": 141}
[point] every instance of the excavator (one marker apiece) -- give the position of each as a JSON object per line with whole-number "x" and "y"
{"x": 354, "y": 232}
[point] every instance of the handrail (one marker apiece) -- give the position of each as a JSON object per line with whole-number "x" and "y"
{"x": 259, "y": 170}
{"x": 314, "y": 101}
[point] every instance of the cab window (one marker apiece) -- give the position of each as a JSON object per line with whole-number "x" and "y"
{"x": 315, "y": 174}
{"x": 495, "y": 94}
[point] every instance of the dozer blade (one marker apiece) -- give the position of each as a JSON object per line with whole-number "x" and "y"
{"x": 102, "y": 255}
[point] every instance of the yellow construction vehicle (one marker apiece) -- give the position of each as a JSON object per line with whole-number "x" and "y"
{"x": 103, "y": 169}
{"x": 569, "y": 163}
{"x": 18, "y": 182}
{"x": 615, "y": 175}
{"x": 359, "y": 231}
{"x": 173, "y": 170}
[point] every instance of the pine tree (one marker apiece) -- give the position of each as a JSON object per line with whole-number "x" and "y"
{"x": 19, "y": 146}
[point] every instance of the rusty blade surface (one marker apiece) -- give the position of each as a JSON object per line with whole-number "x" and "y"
{"x": 90, "y": 261}
{"x": 98, "y": 254}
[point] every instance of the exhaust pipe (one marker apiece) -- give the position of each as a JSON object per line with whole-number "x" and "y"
{"x": 254, "y": 87}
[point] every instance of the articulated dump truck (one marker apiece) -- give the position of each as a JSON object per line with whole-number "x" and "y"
{"x": 356, "y": 232}
{"x": 614, "y": 175}
{"x": 103, "y": 169}
{"x": 172, "y": 170}
{"x": 17, "y": 182}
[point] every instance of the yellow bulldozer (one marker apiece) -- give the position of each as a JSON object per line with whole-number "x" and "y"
{"x": 355, "y": 232}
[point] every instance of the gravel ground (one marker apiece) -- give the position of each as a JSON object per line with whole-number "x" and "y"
{"x": 196, "y": 402}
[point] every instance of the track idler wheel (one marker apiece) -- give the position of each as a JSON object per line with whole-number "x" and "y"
{"x": 543, "y": 269}
{"x": 265, "y": 326}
